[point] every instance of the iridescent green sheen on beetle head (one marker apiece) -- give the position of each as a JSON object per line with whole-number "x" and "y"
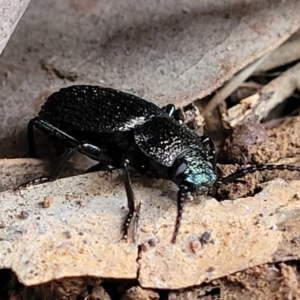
{"x": 194, "y": 169}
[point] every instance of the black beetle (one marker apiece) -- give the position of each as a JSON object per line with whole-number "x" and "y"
{"x": 121, "y": 130}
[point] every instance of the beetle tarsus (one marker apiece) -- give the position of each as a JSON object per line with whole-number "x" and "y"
{"x": 32, "y": 182}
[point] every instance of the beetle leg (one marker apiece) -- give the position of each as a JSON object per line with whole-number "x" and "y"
{"x": 100, "y": 167}
{"x": 208, "y": 143}
{"x": 169, "y": 109}
{"x": 99, "y": 154}
{"x": 30, "y": 139}
{"x": 54, "y": 172}
{"x": 58, "y": 168}
{"x": 46, "y": 127}
{"x": 130, "y": 199}
{"x": 181, "y": 196}
{"x": 50, "y": 129}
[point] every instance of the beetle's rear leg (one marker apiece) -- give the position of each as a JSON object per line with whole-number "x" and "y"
{"x": 131, "y": 201}
{"x": 30, "y": 139}
{"x": 85, "y": 148}
{"x": 58, "y": 168}
{"x": 100, "y": 167}
{"x": 48, "y": 128}
{"x": 55, "y": 172}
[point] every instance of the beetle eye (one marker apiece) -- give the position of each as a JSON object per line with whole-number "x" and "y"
{"x": 180, "y": 169}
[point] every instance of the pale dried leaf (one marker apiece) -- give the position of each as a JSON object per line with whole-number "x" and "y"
{"x": 11, "y": 12}
{"x": 171, "y": 52}
{"x": 79, "y": 233}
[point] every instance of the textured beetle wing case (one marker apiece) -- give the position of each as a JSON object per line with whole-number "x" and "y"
{"x": 163, "y": 139}
{"x": 97, "y": 109}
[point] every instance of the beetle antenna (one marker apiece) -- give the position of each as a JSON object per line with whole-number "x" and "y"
{"x": 252, "y": 169}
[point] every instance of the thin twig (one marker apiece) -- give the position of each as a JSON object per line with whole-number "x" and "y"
{"x": 283, "y": 55}
{"x": 272, "y": 94}
{"x": 232, "y": 85}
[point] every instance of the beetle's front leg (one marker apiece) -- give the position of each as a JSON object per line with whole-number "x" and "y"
{"x": 181, "y": 196}
{"x": 131, "y": 202}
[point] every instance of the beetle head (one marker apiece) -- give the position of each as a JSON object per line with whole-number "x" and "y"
{"x": 195, "y": 171}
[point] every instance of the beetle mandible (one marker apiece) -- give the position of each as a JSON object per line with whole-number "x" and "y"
{"x": 122, "y": 130}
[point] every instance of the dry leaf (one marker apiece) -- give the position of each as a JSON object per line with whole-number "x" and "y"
{"x": 171, "y": 52}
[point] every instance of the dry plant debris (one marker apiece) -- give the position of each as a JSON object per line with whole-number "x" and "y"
{"x": 167, "y": 53}
{"x": 271, "y": 95}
